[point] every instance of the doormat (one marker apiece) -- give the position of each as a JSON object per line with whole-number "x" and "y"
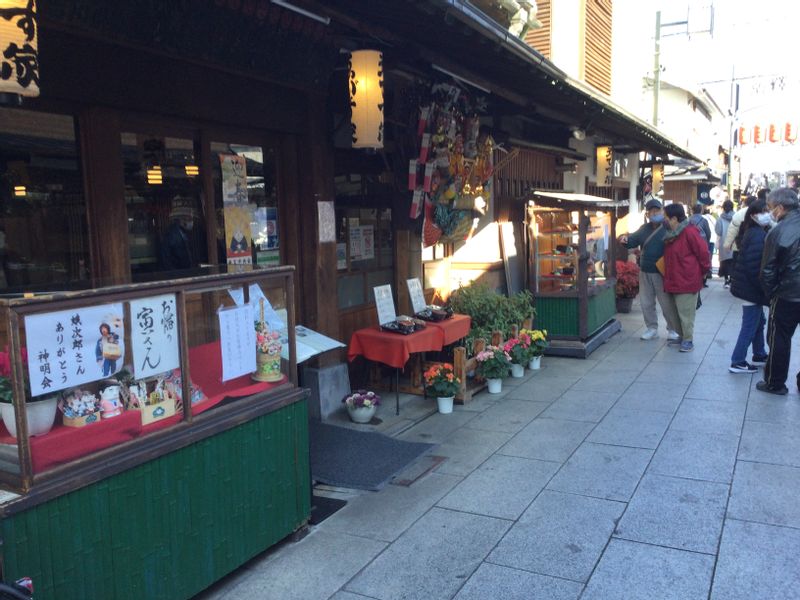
{"x": 323, "y": 507}
{"x": 361, "y": 460}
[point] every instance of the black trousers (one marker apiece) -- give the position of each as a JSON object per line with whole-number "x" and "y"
{"x": 784, "y": 316}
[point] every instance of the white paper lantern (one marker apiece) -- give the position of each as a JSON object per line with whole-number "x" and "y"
{"x": 366, "y": 98}
{"x": 19, "y": 50}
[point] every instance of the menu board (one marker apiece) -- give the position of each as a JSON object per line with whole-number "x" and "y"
{"x": 384, "y": 304}
{"x": 418, "y": 303}
{"x": 237, "y": 340}
{"x": 154, "y": 335}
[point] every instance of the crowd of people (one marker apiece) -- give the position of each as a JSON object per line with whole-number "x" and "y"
{"x": 759, "y": 262}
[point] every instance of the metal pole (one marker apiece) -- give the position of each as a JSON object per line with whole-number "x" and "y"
{"x": 732, "y": 112}
{"x": 657, "y": 69}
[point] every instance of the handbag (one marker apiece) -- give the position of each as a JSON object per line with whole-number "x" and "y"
{"x": 661, "y": 266}
{"x": 111, "y": 350}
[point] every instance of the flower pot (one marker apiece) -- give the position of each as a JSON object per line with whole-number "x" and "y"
{"x": 361, "y": 414}
{"x": 268, "y": 367}
{"x": 495, "y": 385}
{"x": 41, "y": 415}
{"x": 536, "y": 363}
{"x": 624, "y": 305}
{"x": 517, "y": 370}
{"x": 445, "y": 405}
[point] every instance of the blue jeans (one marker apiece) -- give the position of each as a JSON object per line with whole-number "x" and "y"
{"x": 751, "y": 332}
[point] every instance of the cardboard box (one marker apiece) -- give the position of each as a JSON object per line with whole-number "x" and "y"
{"x": 155, "y": 412}
{"x": 81, "y": 421}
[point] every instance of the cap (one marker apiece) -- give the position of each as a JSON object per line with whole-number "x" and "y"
{"x": 653, "y": 204}
{"x": 182, "y": 211}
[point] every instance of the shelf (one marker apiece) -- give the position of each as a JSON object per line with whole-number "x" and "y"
{"x": 557, "y": 277}
{"x": 555, "y": 256}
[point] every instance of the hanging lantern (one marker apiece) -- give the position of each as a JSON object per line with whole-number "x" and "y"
{"x": 366, "y": 98}
{"x": 19, "y": 52}
{"x": 658, "y": 178}
{"x": 772, "y": 135}
{"x": 744, "y": 136}
{"x": 154, "y": 175}
{"x": 605, "y": 156}
{"x": 758, "y": 134}
{"x": 790, "y": 133}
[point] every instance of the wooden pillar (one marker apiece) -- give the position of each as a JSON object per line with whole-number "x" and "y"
{"x": 408, "y": 265}
{"x": 289, "y": 213}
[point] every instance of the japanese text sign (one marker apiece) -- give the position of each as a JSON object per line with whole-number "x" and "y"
{"x": 417, "y": 296}
{"x": 237, "y": 340}
{"x": 384, "y": 303}
{"x": 154, "y": 335}
{"x": 19, "y": 53}
{"x": 72, "y": 347}
{"x": 605, "y": 157}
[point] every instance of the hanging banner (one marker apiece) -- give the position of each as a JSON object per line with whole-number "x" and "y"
{"x": 71, "y": 347}
{"x": 658, "y": 178}
{"x": 605, "y": 160}
{"x": 238, "y": 213}
{"x": 19, "y": 51}
{"x": 234, "y": 179}
{"x": 154, "y": 335}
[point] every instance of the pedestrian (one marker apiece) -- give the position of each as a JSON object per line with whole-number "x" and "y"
{"x": 747, "y": 287}
{"x": 686, "y": 263}
{"x": 780, "y": 278}
{"x": 736, "y": 222}
{"x": 702, "y": 225}
{"x": 725, "y": 254}
{"x": 649, "y": 238}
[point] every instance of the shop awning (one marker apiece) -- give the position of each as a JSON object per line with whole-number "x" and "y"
{"x": 549, "y": 149}
{"x": 582, "y": 200}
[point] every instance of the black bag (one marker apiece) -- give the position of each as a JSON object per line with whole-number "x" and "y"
{"x": 699, "y": 302}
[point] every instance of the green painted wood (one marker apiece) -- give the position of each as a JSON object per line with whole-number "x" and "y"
{"x": 170, "y": 527}
{"x": 559, "y": 316}
{"x": 602, "y": 308}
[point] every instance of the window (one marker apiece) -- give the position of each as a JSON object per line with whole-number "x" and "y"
{"x": 43, "y": 232}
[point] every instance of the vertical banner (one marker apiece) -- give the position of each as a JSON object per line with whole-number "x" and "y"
{"x": 154, "y": 335}
{"x": 658, "y": 178}
{"x": 238, "y": 213}
{"x": 605, "y": 159}
{"x": 19, "y": 47}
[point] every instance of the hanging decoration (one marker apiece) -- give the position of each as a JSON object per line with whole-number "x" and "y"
{"x": 19, "y": 55}
{"x": 605, "y": 159}
{"x": 658, "y": 178}
{"x": 366, "y": 98}
{"x": 452, "y": 174}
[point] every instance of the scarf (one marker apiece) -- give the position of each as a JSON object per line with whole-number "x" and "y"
{"x": 671, "y": 235}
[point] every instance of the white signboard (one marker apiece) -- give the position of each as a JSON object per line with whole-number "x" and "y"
{"x": 237, "y": 340}
{"x": 384, "y": 303}
{"x": 272, "y": 318}
{"x": 418, "y": 303}
{"x": 72, "y": 347}
{"x": 154, "y": 335}
{"x": 327, "y": 222}
{"x": 309, "y": 344}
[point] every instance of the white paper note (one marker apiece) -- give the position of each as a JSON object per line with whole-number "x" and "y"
{"x": 384, "y": 303}
{"x": 237, "y": 340}
{"x": 417, "y": 296}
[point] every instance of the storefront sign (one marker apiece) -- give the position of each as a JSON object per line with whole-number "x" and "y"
{"x": 418, "y": 303}
{"x": 384, "y": 304}
{"x": 72, "y": 347}
{"x": 154, "y": 335}
{"x": 237, "y": 340}
{"x": 19, "y": 52}
{"x": 605, "y": 156}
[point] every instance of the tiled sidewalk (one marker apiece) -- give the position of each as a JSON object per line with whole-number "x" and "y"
{"x": 639, "y": 473}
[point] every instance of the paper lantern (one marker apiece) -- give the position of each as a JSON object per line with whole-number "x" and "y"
{"x": 758, "y": 134}
{"x": 744, "y": 136}
{"x": 19, "y": 51}
{"x": 772, "y": 134}
{"x": 154, "y": 175}
{"x": 658, "y": 178}
{"x": 790, "y": 133}
{"x": 605, "y": 156}
{"x": 366, "y": 98}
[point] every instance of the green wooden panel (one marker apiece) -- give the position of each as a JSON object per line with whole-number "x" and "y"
{"x": 559, "y": 316}
{"x": 602, "y": 308}
{"x": 171, "y": 527}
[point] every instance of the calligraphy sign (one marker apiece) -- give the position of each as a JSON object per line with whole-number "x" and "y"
{"x": 237, "y": 340}
{"x": 384, "y": 303}
{"x": 71, "y": 347}
{"x": 19, "y": 53}
{"x": 418, "y": 303}
{"x": 605, "y": 159}
{"x": 154, "y": 335}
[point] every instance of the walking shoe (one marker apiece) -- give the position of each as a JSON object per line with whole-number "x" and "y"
{"x": 743, "y": 367}
{"x": 726, "y": 285}
{"x": 687, "y": 346}
{"x": 675, "y": 342}
{"x": 759, "y": 360}
{"x": 763, "y": 386}
{"x": 673, "y": 335}
{"x": 650, "y": 334}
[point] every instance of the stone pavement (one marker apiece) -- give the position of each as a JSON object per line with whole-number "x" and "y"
{"x": 639, "y": 473}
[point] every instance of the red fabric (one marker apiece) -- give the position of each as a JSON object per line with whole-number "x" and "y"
{"x": 452, "y": 329}
{"x": 686, "y": 261}
{"x": 392, "y": 349}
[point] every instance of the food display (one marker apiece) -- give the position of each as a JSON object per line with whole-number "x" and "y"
{"x": 433, "y": 312}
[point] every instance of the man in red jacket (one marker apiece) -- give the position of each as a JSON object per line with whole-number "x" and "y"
{"x": 686, "y": 262}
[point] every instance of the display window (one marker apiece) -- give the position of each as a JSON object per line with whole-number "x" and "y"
{"x": 43, "y": 231}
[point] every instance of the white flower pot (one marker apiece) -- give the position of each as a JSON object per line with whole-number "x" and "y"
{"x": 41, "y": 415}
{"x": 536, "y": 363}
{"x": 517, "y": 370}
{"x": 445, "y": 405}
{"x": 361, "y": 414}
{"x": 495, "y": 385}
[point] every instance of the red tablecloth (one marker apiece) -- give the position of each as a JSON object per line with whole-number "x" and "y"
{"x": 64, "y": 444}
{"x": 453, "y": 329}
{"x": 392, "y": 349}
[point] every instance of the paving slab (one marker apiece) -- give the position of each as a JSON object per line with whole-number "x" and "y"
{"x": 635, "y": 428}
{"x": 757, "y": 562}
{"x": 607, "y": 381}
{"x": 548, "y": 439}
{"x": 348, "y": 596}
{"x": 671, "y": 355}
{"x": 693, "y": 455}
{"x": 602, "y": 471}
{"x": 765, "y": 493}
{"x": 652, "y": 395}
{"x": 667, "y": 373}
{"x": 437, "y": 427}
{"x": 560, "y": 534}
{"x": 777, "y": 443}
{"x": 509, "y": 415}
{"x": 432, "y": 559}
{"x": 634, "y": 571}
{"x": 386, "y": 514}
{"x": 774, "y": 409}
{"x": 536, "y": 392}
{"x": 709, "y": 416}
{"x": 496, "y": 582}
{"x": 727, "y": 386}
{"x": 680, "y": 513}
{"x": 581, "y": 405}
{"x": 501, "y": 487}
{"x": 466, "y": 449}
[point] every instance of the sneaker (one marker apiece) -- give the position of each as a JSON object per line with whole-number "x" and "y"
{"x": 673, "y": 335}
{"x": 676, "y": 342}
{"x": 726, "y": 285}
{"x": 759, "y": 360}
{"x": 743, "y": 367}
{"x": 687, "y": 346}
{"x": 763, "y": 386}
{"x": 650, "y": 334}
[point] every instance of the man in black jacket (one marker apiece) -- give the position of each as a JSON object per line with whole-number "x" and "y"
{"x": 780, "y": 278}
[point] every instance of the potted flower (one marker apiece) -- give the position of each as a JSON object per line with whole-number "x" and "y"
{"x": 493, "y": 365}
{"x": 442, "y": 382}
{"x": 539, "y": 344}
{"x": 627, "y": 285}
{"x": 361, "y": 405}
{"x": 518, "y": 349}
{"x": 40, "y": 411}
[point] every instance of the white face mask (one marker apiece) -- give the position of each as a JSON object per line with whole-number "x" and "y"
{"x": 764, "y": 219}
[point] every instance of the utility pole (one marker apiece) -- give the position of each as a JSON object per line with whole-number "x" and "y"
{"x": 657, "y": 69}
{"x": 734, "y": 109}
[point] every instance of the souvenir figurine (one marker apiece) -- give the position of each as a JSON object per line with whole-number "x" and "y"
{"x": 110, "y": 402}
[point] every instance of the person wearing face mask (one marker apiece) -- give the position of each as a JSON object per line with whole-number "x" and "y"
{"x": 650, "y": 239}
{"x": 746, "y": 286}
{"x": 780, "y": 278}
{"x": 176, "y": 248}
